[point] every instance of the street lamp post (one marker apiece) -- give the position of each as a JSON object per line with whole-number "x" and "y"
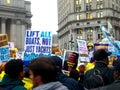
{"x": 71, "y": 42}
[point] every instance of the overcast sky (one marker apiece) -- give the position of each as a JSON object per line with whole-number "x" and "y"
{"x": 44, "y": 15}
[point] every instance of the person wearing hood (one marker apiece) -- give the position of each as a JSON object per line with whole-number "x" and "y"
{"x": 43, "y": 75}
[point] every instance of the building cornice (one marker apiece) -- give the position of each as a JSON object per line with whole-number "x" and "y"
{"x": 12, "y": 9}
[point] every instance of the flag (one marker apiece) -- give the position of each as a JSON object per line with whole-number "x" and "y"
{"x": 110, "y": 29}
{"x": 109, "y": 25}
{"x": 110, "y": 38}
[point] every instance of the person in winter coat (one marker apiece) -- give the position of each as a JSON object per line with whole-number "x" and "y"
{"x": 43, "y": 75}
{"x": 70, "y": 83}
{"x": 116, "y": 84}
{"x": 14, "y": 74}
{"x": 101, "y": 64}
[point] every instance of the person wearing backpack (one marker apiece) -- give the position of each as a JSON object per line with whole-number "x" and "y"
{"x": 116, "y": 84}
{"x": 14, "y": 74}
{"x": 101, "y": 64}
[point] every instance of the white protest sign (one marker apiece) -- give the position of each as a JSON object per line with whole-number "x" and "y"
{"x": 20, "y": 55}
{"x": 82, "y": 47}
{"x": 11, "y": 45}
{"x": 37, "y": 43}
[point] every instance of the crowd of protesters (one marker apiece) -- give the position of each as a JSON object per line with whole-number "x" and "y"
{"x": 45, "y": 73}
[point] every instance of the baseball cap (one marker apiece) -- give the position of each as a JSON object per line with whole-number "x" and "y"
{"x": 100, "y": 54}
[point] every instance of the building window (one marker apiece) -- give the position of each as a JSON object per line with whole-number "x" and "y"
{"x": 78, "y": 9}
{"x": 79, "y": 37}
{"x": 89, "y": 16}
{"x": 88, "y": 1}
{"x": 88, "y": 7}
{"x": 89, "y": 34}
{"x": 99, "y": 4}
{"x": 99, "y": 0}
{"x": 99, "y": 14}
{"x": 100, "y": 34}
{"x": 79, "y": 16}
{"x": 98, "y": 21}
{"x": 79, "y": 31}
{"x": 77, "y": 2}
{"x": 88, "y": 22}
{"x": 77, "y": 24}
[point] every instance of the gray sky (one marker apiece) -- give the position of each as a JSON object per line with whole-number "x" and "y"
{"x": 44, "y": 15}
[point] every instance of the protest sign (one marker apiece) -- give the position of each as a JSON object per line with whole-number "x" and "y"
{"x": 20, "y": 55}
{"x": 4, "y": 53}
{"x": 70, "y": 60}
{"x": 37, "y": 43}
{"x": 82, "y": 47}
{"x": 11, "y": 45}
{"x": 4, "y": 49}
{"x": 83, "y": 50}
{"x": 100, "y": 46}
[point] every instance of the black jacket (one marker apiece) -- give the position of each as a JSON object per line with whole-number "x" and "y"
{"x": 105, "y": 71}
{"x": 70, "y": 83}
{"x": 114, "y": 86}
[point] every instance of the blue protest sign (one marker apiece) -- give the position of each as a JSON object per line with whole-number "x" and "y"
{"x": 4, "y": 53}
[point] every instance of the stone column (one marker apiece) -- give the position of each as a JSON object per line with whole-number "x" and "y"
{"x": 94, "y": 35}
{"x": 13, "y": 31}
{"x": 23, "y": 31}
{"x": 3, "y": 26}
{"x": 71, "y": 39}
{"x": 117, "y": 36}
{"x": 18, "y": 34}
{"x": 83, "y": 34}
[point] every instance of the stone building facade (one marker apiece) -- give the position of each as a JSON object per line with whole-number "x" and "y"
{"x": 55, "y": 40}
{"x": 15, "y": 19}
{"x": 80, "y": 19}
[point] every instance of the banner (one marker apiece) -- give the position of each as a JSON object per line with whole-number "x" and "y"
{"x": 101, "y": 46}
{"x": 37, "y": 43}
{"x": 70, "y": 60}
